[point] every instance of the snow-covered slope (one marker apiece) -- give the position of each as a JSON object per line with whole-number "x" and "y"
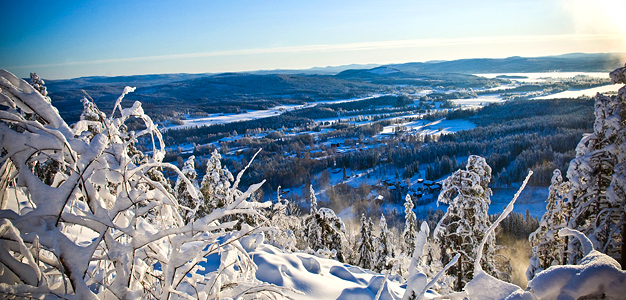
{"x": 318, "y": 278}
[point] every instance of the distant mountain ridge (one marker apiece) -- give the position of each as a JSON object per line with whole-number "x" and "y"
{"x": 171, "y": 94}
{"x": 573, "y": 62}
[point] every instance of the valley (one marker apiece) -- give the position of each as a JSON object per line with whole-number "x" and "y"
{"x": 378, "y": 131}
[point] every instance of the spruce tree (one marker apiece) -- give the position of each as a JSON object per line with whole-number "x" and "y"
{"x": 39, "y": 85}
{"x": 365, "y": 247}
{"x": 384, "y": 253}
{"x": 312, "y": 200}
{"x": 282, "y": 232}
{"x": 547, "y": 247}
{"x": 410, "y": 227}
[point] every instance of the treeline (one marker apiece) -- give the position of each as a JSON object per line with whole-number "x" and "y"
{"x": 207, "y": 134}
{"x": 515, "y": 227}
{"x": 514, "y": 137}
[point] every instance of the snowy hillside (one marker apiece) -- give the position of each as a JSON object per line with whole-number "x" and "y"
{"x": 313, "y": 277}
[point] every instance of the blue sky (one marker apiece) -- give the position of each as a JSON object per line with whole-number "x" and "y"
{"x": 66, "y": 39}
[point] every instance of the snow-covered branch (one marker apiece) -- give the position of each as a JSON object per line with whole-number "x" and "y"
{"x": 86, "y": 216}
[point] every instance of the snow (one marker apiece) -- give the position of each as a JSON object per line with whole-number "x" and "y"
{"x": 424, "y": 127}
{"x": 312, "y": 277}
{"x": 597, "y": 274}
{"x": 486, "y": 287}
{"x": 585, "y": 92}
{"x": 478, "y": 101}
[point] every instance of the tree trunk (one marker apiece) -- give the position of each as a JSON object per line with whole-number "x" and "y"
{"x": 623, "y": 262}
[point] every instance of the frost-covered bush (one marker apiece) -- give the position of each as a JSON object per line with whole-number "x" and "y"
{"x": 284, "y": 228}
{"x": 84, "y": 215}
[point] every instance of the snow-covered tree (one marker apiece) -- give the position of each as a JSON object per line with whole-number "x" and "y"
{"x": 364, "y": 245}
{"x": 103, "y": 227}
{"x": 312, "y": 200}
{"x": 547, "y": 247}
{"x": 463, "y": 226}
{"x": 39, "y": 85}
{"x": 324, "y": 231}
{"x": 189, "y": 202}
{"x": 410, "y": 227}
{"x": 598, "y": 178}
{"x": 384, "y": 254}
{"x": 283, "y": 227}
{"x": 215, "y": 186}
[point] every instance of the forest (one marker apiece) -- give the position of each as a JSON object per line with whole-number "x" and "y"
{"x": 514, "y": 136}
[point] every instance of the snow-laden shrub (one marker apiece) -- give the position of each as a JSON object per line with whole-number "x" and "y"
{"x": 84, "y": 215}
{"x": 283, "y": 227}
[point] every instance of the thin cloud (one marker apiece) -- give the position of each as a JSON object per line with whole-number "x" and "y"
{"x": 384, "y": 45}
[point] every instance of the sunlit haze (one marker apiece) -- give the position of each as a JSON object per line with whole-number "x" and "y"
{"x": 66, "y": 39}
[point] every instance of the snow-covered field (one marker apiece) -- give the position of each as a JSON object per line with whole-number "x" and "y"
{"x": 424, "y": 127}
{"x": 478, "y": 101}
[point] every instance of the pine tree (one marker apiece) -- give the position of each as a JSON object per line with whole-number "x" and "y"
{"x": 548, "y": 248}
{"x": 598, "y": 178}
{"x": 410, "y": 227}
{"x": 385, "y": 250}
{"x": 463, "y": 226}
{"x": 365, "y": 247}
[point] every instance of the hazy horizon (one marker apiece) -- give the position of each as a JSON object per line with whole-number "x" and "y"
{"x": 278, "y": 70}
{"x": 67, "y": 39}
